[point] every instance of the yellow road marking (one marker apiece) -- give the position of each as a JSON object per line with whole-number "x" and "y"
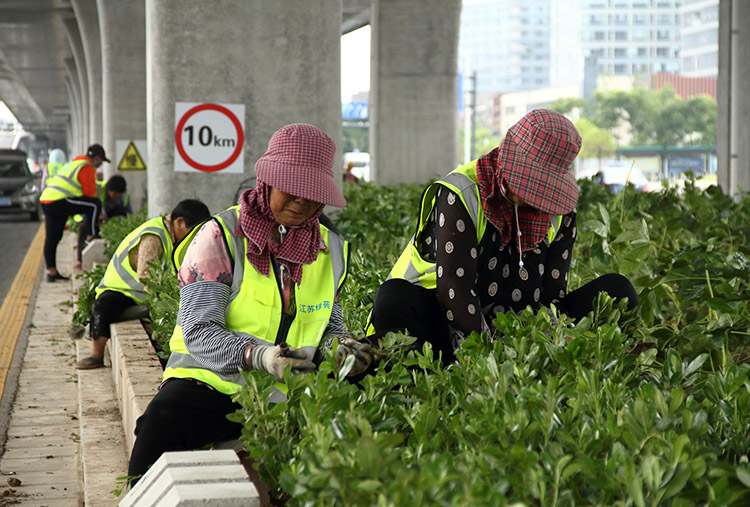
{"x": 16, "y": 304}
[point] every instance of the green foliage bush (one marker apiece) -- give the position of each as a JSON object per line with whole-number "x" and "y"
{"x": 163, "y": 300}
{"x": 377, "y": 221}
{"x": 543, "y": 412}
{"x": 87, "y": 295}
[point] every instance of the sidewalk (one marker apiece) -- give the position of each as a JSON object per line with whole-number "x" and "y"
{"x": 65, "y": 443}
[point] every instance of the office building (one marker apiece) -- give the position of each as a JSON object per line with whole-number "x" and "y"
{"x": 700, "y": 38}
{"x": 506, "y": 43}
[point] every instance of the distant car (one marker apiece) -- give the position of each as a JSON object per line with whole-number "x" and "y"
{"x": 19, "y": 187}
{"x": 618, "y": 174}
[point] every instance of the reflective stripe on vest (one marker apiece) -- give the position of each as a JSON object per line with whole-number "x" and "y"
{"x": 52, "y": 169}
{"x": 65, "y": 183}
{"x": 120, "y": 276}
{"x": 314, "y": 300}
{"x": 411, "y": 265}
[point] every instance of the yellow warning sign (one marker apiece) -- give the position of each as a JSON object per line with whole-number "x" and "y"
{"x": 131, "y": 159}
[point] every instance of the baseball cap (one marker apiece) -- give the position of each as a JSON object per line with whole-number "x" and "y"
{"x": 96, "y": 150}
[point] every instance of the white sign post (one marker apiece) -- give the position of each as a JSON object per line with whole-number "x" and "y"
{"x": 209, "y": 137}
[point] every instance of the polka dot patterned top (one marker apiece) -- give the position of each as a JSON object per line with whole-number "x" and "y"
{"x": 476, "y": 281}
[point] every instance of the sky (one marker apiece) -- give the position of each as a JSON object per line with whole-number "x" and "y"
{"x": 355, "y": 62}
{"x": 5, "y": 113}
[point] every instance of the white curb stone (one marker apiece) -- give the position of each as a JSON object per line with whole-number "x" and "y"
{"x": 93, "y": 253}
{"x": 194, "y": 478}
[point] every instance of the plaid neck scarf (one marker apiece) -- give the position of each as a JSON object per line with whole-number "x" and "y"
{"x": 533, "y": 223}
{"x": 300, "y": 245}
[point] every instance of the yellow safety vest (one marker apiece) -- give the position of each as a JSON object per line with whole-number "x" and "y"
{"x": 256, "y": 305}
{"x": 411, "y": 265}
{"x": 52, "y": 169}
{"x": 65, "y": 183}
{"x": 120, "y": 276}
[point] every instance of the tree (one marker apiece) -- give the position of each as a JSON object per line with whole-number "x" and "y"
{"x": 596, "y": 142}
{"x": 566, "y": 104}
{"x": 484, "y": 141}
{"x": 701, "y": 123}
{"x": 355, "y": 139}
{"x": 657, "y": 117}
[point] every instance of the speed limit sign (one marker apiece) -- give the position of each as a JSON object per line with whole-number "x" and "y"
{"x": 209, "y": 137}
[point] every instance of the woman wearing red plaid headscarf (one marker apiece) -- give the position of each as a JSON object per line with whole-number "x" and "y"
{"x": 259, "y": 287}
{"x": 495, "y": 235}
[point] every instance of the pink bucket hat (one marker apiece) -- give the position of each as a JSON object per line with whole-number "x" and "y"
{"x": 536, "y": 159}
{"x": 299, "y": 161}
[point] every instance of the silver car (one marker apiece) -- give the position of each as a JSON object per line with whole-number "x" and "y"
{"x": 19, "y": 187}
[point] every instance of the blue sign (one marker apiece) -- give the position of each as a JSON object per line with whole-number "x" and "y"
{"x": 677, "y": 165}
{"x": 354, "y": 111}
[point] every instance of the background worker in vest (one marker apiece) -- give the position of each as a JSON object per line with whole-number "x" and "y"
{"x": 69, "y": 192}
{"x": 56, "y": 161}
{"x": 495, "y": 235}
{"x": 115, "y": 203}
{"x": 259, "y": 290}
{"x": 121, "y": 286}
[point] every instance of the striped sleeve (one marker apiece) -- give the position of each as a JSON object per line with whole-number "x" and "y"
{"x": 202, "y": 316}
{"x": 336, "y": 324}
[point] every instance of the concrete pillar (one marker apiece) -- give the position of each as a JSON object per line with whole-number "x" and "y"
{"x": 722, "y": 97}
{"x": 72, "y": 131}
{"x": 79, "y": 72}
{"x": 733, "y": 129}
{"x": 88, "y": 23}
{"x": 77, "y": 108}
{"x": 280, "y": 59}
{"x": 413, "y": 96}
{"x": 123, "y": 43}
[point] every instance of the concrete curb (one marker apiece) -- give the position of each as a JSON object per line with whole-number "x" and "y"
{"x": 120, "y": 395}
{"x": 136, "y": 373}
{"x": 102, "y": 447}
{"x": 205, "y": 478}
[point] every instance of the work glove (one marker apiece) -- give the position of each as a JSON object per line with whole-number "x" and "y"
{"x": 361, "y": 351}
{"x": 274, "y": 359}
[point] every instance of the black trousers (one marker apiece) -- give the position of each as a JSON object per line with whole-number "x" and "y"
{"x": 401, "y": 305}
{"x": 107, "y": 310}
{"x": 56, "y": 213}
{"x": 184, "y": 415}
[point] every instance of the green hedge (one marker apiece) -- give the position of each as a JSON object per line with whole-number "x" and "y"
{"x": 542, "y": 413}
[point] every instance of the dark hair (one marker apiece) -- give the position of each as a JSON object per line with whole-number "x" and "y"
{"x": 116, "y": 184}
{"x": 192, "y": 210}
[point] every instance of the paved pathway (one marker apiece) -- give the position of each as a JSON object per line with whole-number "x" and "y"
{"x": 64, "y": 433}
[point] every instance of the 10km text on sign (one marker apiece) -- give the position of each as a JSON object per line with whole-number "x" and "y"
{"x": 209, "y": 137}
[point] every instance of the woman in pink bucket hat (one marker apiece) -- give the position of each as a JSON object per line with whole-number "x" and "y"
{"x": 494, "y": 235}
{"x": 259, "y": 287}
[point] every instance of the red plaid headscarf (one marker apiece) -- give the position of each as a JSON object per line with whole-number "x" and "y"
{"x": 500, "y": 212}
{"x": 534, "y": 161}
{"x": 300, "y": 245}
